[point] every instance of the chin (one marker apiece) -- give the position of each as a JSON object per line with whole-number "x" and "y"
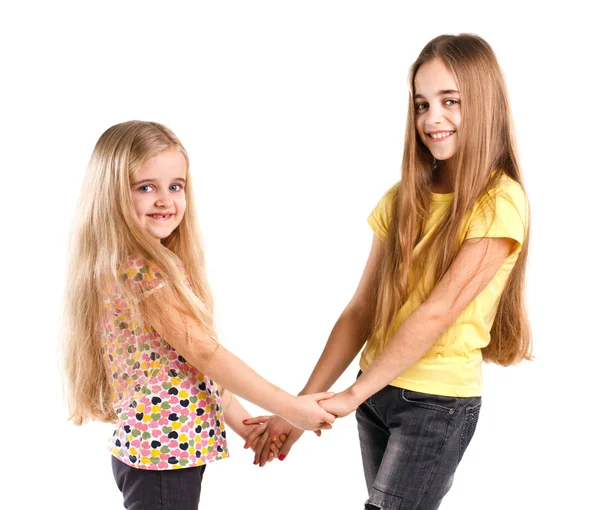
{"x": 442, "y": 156}
{"x": 161, "y": 235}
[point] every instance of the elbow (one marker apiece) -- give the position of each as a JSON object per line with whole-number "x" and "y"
{"x": 439, "y": 314}
{"x": 361, "y": 315}
{"x": 201, "y": 354}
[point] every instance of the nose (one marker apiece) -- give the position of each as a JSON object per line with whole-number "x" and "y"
{"x": 434, "y": 115}
{"x": 163, "y": 199}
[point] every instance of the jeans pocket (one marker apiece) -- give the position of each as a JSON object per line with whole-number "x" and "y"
{"x": 471, "y": 418}
{"x": 427, "y": 401}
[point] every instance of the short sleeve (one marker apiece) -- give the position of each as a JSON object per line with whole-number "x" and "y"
{"x": 502, "y": 213}
{"x": 142, "y": 277}
{"x": 380, "y": 218}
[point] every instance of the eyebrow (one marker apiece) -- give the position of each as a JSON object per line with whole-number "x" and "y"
{"x": 152, "y": 179}
{"x": 440, "y": 93}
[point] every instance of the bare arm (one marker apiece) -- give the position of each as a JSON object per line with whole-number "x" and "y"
{"x": 476, "y": 264}
{"x": 162, "y": 310}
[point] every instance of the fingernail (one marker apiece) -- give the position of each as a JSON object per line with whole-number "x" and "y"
{"x": 244, "y": 421}
{"x": 255, "y": 463}
{"x": 281, "y": 457}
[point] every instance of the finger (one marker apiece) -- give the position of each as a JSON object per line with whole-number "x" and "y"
{"x": 262, "y": 446}
{"x": 276, "y": 441}
{"x": 264, "y": 455}
{"x": 268, "y": 454}
{"x": 318, "y": 432}
{"x": 254, "y": 433}
{"x": 329, "y": 418}
{"x": 322, "y": 426}
{"x": 287, "y": 446}
{"x": 256, "y": 420}
{"x": 269, "y": 458}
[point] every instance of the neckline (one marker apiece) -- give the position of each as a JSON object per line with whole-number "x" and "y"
{"x": 442, "y": 197}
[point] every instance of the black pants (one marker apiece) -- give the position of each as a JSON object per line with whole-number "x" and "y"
{"x": 411, "y": 444}
{"x": 143, "y": 489}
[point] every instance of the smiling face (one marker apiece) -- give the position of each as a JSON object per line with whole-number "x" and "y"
{"x": 437, "y": 108}
{"x": 158, "y": 193}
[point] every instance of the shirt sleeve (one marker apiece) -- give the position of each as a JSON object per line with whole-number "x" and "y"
{"x": 502, "y": 213}
{"x": 380, "y": 218}
{"x": 141, "y": 276}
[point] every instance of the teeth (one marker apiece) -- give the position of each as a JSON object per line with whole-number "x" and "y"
{"x": 438, "y": 136}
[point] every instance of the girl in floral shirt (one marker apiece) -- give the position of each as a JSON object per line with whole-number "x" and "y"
{"x": 140, "y": 345}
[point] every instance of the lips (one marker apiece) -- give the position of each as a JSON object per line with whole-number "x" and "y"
{"x": 160, "y": 217}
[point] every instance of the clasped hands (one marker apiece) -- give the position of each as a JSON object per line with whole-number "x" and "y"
{"x": 273, "y": 436}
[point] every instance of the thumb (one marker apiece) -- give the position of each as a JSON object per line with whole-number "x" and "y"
{"x": 256, "y": 420}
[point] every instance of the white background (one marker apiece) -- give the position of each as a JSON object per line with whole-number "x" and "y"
{"x": 293, "y": 114}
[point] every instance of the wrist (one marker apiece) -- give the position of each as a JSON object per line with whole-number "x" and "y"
{"x": 356, "y": 394}
{"x": 285, "y": 405}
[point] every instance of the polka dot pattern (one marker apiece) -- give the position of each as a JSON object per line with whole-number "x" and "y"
{"x": 169, "y": 414}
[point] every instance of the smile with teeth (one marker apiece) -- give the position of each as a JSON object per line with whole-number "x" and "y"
{"x": 440, "y": 135}
{"x": 160, "y": 216}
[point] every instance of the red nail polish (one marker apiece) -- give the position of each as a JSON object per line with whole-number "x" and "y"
{"x": 244, "y": 421}
{"x": 281, "y": 457}
{"x": 255, "y": 463}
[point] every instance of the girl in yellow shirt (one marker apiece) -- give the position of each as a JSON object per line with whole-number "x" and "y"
{"x": 442, "y": 289}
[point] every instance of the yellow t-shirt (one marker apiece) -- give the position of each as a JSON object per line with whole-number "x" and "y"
{"x": 452, "y": 367}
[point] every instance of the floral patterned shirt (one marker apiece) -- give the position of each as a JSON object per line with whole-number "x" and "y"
{"x": 169, "y": 414}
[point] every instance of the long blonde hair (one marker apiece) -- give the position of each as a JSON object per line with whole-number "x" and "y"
{"x": 485, "y": 143}
{"x": 107, "y": 232}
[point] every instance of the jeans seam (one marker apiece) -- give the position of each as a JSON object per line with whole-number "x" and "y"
{"x": 471, "y": 415}
{"x": 434, "y": 463}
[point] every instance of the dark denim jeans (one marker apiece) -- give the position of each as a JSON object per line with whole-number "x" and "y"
{"x": 172, "y": 489}
{"x": 411, "y": 444}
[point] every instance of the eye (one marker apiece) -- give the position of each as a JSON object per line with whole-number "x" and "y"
{"x": 176, "y": 187}
{"x": 451, "y": 102}
{"x": 145, "y": 188}
{"x": 420, "y": 107}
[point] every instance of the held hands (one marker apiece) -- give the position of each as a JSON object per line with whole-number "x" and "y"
{"x": 267, "y": 430}
{"x": 262, "y": 438}
{"x": 307, "y": 412}
{"x": 273, "y": 436}
{"x": 264, "y": 445}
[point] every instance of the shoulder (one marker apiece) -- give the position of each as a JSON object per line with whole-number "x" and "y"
{"x": 381, "y": 216}
{"x": 393, "y": 191}
{"x": 506, "y": 192}
{"x": 510, "y": 189}
{"x": 137, "y": 268}
{"x": 139, "y": 273}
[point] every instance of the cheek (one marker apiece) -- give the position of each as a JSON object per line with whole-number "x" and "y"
{"x": 138, "y": 206}
{"x": 420, "y": 124}
{"x": 456, "y": 119}
{"x": 181, "y": 206}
